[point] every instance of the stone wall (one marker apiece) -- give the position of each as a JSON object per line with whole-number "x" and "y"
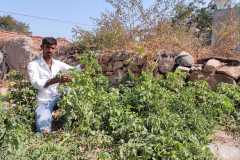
{"x": 214, "y": 70}
{"x": 20, "y": 49}
{"x": 19, "y": 53}
{"x": 118, "y": 65}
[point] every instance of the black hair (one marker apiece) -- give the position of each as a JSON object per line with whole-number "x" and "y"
{"x": 49, "y": 41}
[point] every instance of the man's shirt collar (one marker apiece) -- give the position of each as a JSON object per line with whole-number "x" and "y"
{"x": 44, "y": 64}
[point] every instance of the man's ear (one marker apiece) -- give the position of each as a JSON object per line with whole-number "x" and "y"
{"x": 41, "y": 47}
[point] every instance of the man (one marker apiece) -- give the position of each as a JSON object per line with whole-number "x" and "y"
{"x": 42, "y": 74}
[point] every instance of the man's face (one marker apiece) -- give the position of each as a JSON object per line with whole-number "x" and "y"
{"x": 49, "y": 50}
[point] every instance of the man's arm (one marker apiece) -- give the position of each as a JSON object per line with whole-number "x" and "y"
{"x": 51, "y": 81}
{"x": 62, "y": 79}
{"x": 63, "y": 66}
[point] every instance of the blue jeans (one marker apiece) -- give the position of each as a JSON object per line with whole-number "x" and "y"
{"x": 43, "y": 115}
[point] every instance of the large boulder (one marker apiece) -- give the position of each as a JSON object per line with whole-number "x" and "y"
{"x": 104, "y": 58}
{"x": 222, "y": 78}
{"x": 19, "y": 53}
{"x": 166, "y": 63}
{"x": 232, "y": 71}
{"x": 212, "y": 65}
{"x": 212, "y": 79}
{"x": 225, "y": 147}
{"x": 215, "y": 79}
{"x": 184, "y": 59}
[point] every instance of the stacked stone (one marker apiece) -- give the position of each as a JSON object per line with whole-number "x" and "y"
{"x": 68, "y": 55}
{"x": 217, "y": 70}
{"x": 165, "y": 62}
{"x": 117, "y": 66}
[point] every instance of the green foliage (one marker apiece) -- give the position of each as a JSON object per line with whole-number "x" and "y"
{"x": 10, "y": 24}
{"x": 145, "y": 117}
{"x": 22, "y": 96}
{"x": 153, "y": 119}
{"x": 232, "y": 122}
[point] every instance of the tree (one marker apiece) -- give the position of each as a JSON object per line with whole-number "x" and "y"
{"x": 109, "y": 33}
{"x": 197, "y": 16}
{"x": 130, "y": 13}
{"x": 10, "y": 24}
{"x": 133, "y": 15}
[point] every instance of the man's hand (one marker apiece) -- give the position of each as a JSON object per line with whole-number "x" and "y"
{"x": 61, "y": 79}
{"x": 65, "y": 78}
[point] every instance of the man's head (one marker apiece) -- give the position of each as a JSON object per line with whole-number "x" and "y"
{"x": 49, "y": 45}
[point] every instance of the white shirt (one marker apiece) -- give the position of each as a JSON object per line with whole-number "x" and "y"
{"x": 39, "y": 73}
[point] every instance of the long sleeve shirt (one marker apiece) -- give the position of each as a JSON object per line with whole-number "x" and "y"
{"x": 39, "y": 73}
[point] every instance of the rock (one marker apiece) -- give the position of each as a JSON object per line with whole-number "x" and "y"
{"x": 164, "y": 56}
{"x": 232, "y": 71}
{"x": 184, "y": 69}
{"x": 120, "y": 56}
{"x": 212, "y": 79}
{"x": 140, "y": 61}
{"x": 117, "y": 65}
{"x": 224, "y": 147}
{"x": 166, "y": 63}
{"x": 225, "y": 152}
{"x": 105, "y": 58}
{"x": 19, "y": 53}
{"x": 165, "y": 66}
{"x": 197, "y": 75}
{"x": 215, "y": 79}
{"x": 121, "y": 74}
{"x": 222, "y": 78}
{"x": 134, "y": 68}
{"x": 212, "y": 65}
{"x": 184, "y": 59}
{"x": 196, "y": 67}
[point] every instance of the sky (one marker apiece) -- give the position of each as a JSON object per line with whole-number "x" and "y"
{"x": 71, "y": 12}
